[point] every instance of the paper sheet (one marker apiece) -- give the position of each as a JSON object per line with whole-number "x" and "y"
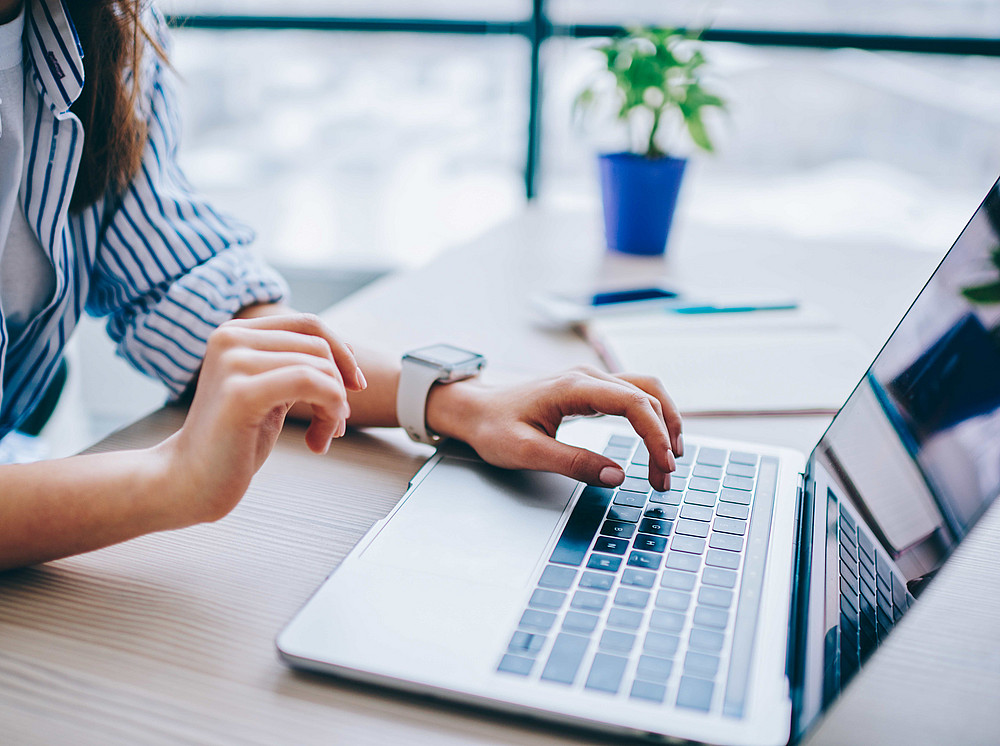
{"x": 742, "y": 363}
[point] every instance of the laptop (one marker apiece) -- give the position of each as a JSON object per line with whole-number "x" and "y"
{"x": 730, "y": 609}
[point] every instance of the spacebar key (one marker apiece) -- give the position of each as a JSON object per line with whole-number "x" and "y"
{"x": 565, "y": 658}
{"x": 582, "y": 525}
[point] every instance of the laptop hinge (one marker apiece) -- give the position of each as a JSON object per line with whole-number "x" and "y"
{"x": 800, "y": 593}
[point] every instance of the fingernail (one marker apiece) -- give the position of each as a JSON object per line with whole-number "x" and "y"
{"x": 680, "y": 444}
{"x": 671, "y": 461}
{"x": 666, "y": 483}
{"x": 611, "y": 476}
{"x": 361, "y": 379}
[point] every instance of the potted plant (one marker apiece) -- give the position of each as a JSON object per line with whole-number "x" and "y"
{"x": 652, "y": 79}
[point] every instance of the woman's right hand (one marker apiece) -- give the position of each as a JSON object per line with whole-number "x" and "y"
{"x": 254, "y": 370}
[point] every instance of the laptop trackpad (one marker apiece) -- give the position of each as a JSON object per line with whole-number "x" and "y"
{"x": 473, "y": 521}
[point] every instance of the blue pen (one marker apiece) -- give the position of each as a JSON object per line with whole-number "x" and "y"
{"x": 732, "y": 309}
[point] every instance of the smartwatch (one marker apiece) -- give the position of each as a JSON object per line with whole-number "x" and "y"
{"x": 422, "y": 369}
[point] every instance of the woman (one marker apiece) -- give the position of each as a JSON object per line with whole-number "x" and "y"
{"x": 95, "y": 214}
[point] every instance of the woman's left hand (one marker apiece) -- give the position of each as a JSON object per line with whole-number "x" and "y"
{"x": 514, "y": 427}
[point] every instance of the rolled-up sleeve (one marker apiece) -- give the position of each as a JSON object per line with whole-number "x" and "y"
{"x": 170, "y": 268}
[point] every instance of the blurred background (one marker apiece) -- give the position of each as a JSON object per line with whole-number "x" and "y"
{"x": 361, "y": 138}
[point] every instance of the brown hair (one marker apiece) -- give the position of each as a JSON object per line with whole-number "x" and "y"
{"x": 113, "y": 38}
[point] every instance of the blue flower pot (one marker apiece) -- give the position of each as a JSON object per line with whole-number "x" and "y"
{"x": 639, "y": 199}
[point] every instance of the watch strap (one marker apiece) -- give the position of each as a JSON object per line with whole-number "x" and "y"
{"x": 415, "y": 383}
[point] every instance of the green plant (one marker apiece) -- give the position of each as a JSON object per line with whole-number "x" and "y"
{"x": 654, "y": 75}
{"x": 990, "y": 292}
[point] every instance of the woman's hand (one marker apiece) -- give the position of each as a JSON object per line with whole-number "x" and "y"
{"x": 515, "y": 427}
{"x": 253, "y": 371}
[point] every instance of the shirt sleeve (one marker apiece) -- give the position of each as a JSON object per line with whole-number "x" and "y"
{"x": 170, "y": 268}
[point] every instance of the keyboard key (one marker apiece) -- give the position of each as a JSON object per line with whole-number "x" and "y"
{"x": 606, "y": 673}
{"x": 706, "y": 640}
{"x": 720, "y": 558}
{"x": 730, "y": 526}
{"x": 882, "y": 569}
{"x": 729, "y": 542}
{"x": 599, "y": 580}
{"x": 709, "y": 472}
{"x": 624, "y": 618}
{"x": 630, "y": 499}
{"x": 660, "y": 644}
{"x": 582, "y": 525}
{"x": 740, "y": 470}
{"x": 677, "y": 482}
{"x": 610, "y": 545}
{"x": 557, "y": 577}
{"x": 695, "y": 694}
{"x": 673, "y": 600}
{"x": 639, "y": 578}
{"x": 543, "y": 599}
{"x": 849, "y": 555}
{"x": 700, "y": 498}
{"x": 733, "y": 510}
{"x": 624, "y": 513}
{"x": 525, "y": 643}
{"x": 538, "y": 620}
{"x": 703, "y": 484}
{"x": 689, "y": 453}
{"x": 616, "y": 641}
{"x": 587, "y": 601}
{"x": 696, "y": 512}
{"x": 712, "y": 456}
{"x": 618, "y": 453}
{"x": 636, "y": 484}
{"x": 741, "y": 457}
{"x": 738, "y": 483}
{"x": 848, "y": 606}
{"x": 647, "y": 560}
{"x": 715, "y": 597}
{"x": 718, "y": 576}
{"x": 622, "y": 441}
{"x": 707, "y": 617}
{"x": 565, "y": 658}
{"x": 617, "y": 528}
{"x": 652, "y": 526}
{"x": 848, "y": 577}
{"x": 648, "y": 691}
{"x": 680, "y": 581}
{"x": 741, "y": 497}
{"x": 604, "y": 562}
{"x": 682, "y": 561}
{"x": 641, "y": 456}
{"x": 650, "y": 543}
{"x": 653, "y": 669}
{"x": 701, "y": 664}
{"x": 845, "y": 517}
{"x": 632, "y": 597}
{"x": 577, "y": 621}
{"x": 692, "y": 528}
{"x": 866, "y": 545}
{"x": 846, "y": 588}
{"x": 666, "y": 498}
{"x": 683, "y": 471}
{"x": 637, "y": 471}
{"x": 666, "y": 621}
{"x": 660, "y": 513}
{"x": 516, "y": 665}
{"x": 688, "y": 544}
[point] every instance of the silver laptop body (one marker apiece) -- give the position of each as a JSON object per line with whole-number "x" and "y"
{"x": 731, "y": 609}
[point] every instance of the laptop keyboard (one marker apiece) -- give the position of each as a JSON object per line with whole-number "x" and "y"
{"x": 872, "y": 597}
{"x": 654, "y": 595}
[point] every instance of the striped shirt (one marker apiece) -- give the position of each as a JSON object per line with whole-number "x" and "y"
{"x": 157, "y": 260}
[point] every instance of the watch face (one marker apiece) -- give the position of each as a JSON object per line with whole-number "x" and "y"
{"x": 444, "y": 356}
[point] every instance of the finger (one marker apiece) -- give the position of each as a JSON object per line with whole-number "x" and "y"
{"x": 671, "y": 415}
{"x": 279, "y": 386}
{"x": 543, "y": 453}
{"x": 253, "y": 362}
{"x": 587, "y": 394}
{"x": 309, "y": 324}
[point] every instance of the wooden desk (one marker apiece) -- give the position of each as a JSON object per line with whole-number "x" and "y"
{"x": 169, "y": 638}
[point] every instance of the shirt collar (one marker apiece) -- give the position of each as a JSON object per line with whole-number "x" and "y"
{"x": 55, "y": 52}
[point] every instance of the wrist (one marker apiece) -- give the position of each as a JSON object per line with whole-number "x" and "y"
{"x": 453, "y": 409}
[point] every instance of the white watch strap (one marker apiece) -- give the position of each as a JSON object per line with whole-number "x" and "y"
{"x": 415, "y": 381}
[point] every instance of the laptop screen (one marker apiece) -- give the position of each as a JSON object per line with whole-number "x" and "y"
{"x": 916, "y": 447}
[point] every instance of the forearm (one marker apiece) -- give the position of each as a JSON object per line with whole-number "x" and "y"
{"x": 54, "y": 509}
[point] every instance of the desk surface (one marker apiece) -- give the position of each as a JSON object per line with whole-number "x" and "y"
{"x": 169, "y": 638}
